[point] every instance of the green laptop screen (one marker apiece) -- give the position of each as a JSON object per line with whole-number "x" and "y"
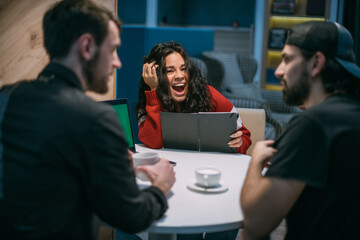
{"x": 122, "y": 110}
{"x": 123, "y": 115}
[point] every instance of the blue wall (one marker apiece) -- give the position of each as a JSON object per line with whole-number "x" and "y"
{"x": 191, "y": 12}
{"x": 138, "y": 41}
{"x": 207, "y": 12}
{"x": 132, "y": 11}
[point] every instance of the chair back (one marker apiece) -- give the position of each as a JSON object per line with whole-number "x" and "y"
{"x": 248, "y": 66}
{"x": 254, "y": 120}
{"x": 229, "y": 70}
{"x": 201, "y": 65}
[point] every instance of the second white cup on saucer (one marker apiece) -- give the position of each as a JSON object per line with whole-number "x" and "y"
{"x": 207, "y": 177}
{"x": 145, "y": 158}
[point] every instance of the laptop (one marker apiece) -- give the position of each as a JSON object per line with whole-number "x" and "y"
{"x": 121, "y": 107}
{"x": 203, "y": 131}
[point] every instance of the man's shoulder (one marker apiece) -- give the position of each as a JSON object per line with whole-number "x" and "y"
{"x": 81, "y": 104}
{"x": 63, "y": 101}
{"x": 333, "y": 113}
{"x": 334, "y": 105}
{"x": 12, "y": 86}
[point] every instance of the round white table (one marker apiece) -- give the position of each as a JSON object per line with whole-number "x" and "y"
{"x": 196, "y": 212}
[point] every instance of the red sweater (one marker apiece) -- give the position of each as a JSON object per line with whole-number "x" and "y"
{"x": 150, "y": 127}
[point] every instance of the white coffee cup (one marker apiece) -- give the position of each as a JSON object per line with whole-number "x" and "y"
{"x": 207, "y": 176}
{"x": 145, "y": 158}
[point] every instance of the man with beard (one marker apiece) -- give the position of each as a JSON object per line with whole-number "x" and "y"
{"x": 313, "y": 166}
{"x": 63, "y": 156}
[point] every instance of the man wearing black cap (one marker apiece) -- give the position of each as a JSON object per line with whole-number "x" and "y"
{"x": 313, "y": 166}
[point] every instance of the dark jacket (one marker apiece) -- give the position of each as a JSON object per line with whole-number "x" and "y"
{"x": 64, "y": 159}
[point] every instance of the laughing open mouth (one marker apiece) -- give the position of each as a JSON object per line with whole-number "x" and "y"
{"x": 179, "y": 88}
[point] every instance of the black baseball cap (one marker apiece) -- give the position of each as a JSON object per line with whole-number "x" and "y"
{"x": 328, "y": 37}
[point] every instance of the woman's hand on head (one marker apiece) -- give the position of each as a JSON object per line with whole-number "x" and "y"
{"x": 149, "y": 75}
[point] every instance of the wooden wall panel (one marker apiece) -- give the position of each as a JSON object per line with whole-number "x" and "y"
{"x": 22, "y": 55}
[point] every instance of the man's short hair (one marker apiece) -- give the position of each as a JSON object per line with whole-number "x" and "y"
{"x": 330, "y": 38}
{"x": 67, "y": 20}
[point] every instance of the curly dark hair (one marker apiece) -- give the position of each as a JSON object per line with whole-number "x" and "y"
{"x": 198, "y": 96}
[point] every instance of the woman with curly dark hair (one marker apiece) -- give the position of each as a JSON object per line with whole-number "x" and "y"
{"x": 171, "y": 83}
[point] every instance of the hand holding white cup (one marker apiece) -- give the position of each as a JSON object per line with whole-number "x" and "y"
{"x": 207, "y": 177}
{"x": 145, "y": 158}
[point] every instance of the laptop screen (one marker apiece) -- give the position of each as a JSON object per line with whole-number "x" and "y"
{"x": 121, "y": 107}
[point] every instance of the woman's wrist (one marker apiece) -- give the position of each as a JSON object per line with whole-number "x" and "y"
{"x": 151, "y": 97}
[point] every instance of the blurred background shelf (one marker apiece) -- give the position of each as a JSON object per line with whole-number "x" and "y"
{"x": 273, "y": 58}
{"x": 289, "y": 21}
{"x": 280, "y": 18}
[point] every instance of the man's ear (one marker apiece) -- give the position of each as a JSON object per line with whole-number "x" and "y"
{"x": 318, "y": 62}
{"x": 87, "y": 46}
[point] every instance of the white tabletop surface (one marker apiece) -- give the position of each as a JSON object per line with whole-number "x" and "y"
{"x": 196, "y": 212}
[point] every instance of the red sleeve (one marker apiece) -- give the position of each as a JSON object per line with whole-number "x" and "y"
{"x": 219, "y": 102}
{"x": 222, "y": 104}
{"x": 150, "y": 128}
{"x": 246, "y": 141}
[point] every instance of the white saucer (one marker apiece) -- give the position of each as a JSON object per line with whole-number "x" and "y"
{"x": 217, "y": 189}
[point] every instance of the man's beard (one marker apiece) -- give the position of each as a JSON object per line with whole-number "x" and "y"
{"x": 94, "y": 83}
{"x": 299, "y": 92}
